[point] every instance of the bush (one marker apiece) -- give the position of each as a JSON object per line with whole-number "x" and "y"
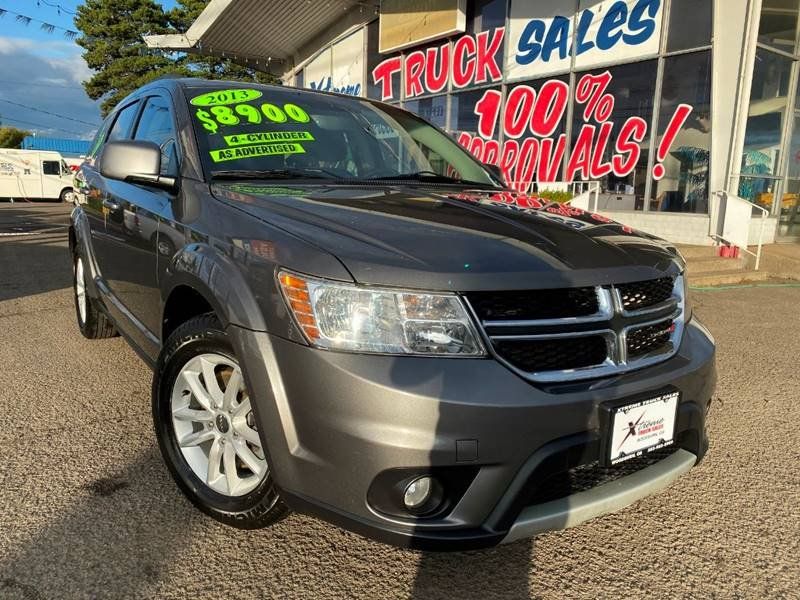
{"x": 558, "y": 196}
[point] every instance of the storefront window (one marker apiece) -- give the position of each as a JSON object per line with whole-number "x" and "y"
{"x": 633, "y": 87}
{"x": 758, "y": 190}
{"x": 689, "y": 24}
{"x": 431, "y": 109}
{"x": 462, "y": 112}
{"x": 789, "y": 210}
{"x": 374, "y": 58}
{"x": 768, "y": 103}
{"x": 485, "y": 15}
{"x": 684, "y": 187}
{"x": 778, "y": 24}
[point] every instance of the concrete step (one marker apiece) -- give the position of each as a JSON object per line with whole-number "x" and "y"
{"x": 689, "y": 252}
{"x": 713, "y": 264}
{"x": 715, "y": 278}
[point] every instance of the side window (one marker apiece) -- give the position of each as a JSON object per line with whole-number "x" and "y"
{"x": 98, "y": 140}
{"x": 122, "y": 126}
{"x": 51, "y": 167}
{"x": 156, "y": 125}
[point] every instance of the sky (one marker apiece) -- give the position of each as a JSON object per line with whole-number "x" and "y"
{"x": 44, "y": 71}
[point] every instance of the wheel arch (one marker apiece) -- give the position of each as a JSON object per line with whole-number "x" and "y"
{"x": 200, "y": 280}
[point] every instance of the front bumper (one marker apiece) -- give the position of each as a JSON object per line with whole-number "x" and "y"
{"x": 336, "y": 425}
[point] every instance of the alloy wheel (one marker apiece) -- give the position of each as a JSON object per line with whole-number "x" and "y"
{"x": 80, "y": 289}
{"x": 214, "y": 425}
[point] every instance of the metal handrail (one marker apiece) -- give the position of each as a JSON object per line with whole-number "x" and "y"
{"x": 764, "y": 215}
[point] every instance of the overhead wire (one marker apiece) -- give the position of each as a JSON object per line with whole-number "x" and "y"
{"x": 47, "y": 112}
{"x": 39, "y": 125}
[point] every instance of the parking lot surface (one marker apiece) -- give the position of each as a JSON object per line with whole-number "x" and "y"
{"x": 88, "y": 510}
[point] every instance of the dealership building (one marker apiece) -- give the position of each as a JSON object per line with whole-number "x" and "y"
{"x": 664, "y": 103}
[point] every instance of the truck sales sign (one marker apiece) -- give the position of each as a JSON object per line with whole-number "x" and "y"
{"x": 540, "y": 41}
{"x": 543, "y": 39}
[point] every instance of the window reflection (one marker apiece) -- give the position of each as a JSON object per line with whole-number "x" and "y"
{"x": 633, "y": 87}
{"x": 684, "y": 188}
{"x": 431, "y": 109}
{"x": 768, "y": 102}
{"x": 778, "y": 24}
{"x": 789, "y": 209}
{"x": 689, "y": 24}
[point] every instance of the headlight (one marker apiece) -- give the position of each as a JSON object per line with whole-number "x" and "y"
{"x": 348, "y": 317}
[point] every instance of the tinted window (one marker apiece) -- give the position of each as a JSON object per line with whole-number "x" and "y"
{"x": 156, "y": 125}
{"x": 122, "y": 126}
{"x": 51, "y": 167}
{"x": 689, "y": 24}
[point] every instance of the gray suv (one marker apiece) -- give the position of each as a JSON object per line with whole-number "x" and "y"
{"x": 348, "y": 315}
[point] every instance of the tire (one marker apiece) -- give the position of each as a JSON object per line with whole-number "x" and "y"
{"x": 202, "y": 430}
{"x": 66, "y": 195}
{"x": 93, "y": 323}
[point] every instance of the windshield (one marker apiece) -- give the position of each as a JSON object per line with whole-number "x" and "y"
{"x": 268, "y": 132}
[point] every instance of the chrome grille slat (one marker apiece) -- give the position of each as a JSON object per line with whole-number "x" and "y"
{"x": 633, "y": 338}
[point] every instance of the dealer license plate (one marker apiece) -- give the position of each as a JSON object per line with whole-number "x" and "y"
{"x": 642, "y": 427}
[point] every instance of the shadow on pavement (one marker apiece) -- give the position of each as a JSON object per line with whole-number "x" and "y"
{"x": 501, "y": 572}
{"x": 116, "y": 540}
{"x": 34, "y": 264}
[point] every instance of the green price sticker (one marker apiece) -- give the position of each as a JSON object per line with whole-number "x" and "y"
{"x": 252, "y": 151}
{"x": 222, "y": 97}
{"x": 263, "y": 137}
{"x": 225, "y": 116}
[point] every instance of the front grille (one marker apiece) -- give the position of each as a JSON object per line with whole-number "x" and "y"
{"x": 536, "y": 304}
{"x": 644, "y": 340}
{"x": 585, "y": 332}
{"x": 644, "y": 294}
{"x": 552, "y": 354}
{"x": 585, "y": 477}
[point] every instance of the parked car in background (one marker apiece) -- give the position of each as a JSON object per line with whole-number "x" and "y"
{"x": 348, "y": 315}
{"x": 34, "y": 175}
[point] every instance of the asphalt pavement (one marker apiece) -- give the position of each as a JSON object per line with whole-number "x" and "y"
{"x": 88, "y": 510}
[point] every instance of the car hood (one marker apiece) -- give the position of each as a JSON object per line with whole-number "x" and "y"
{"x": 451, "y": 239}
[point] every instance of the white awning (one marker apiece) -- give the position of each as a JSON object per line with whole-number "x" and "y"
{"x": 270, "y": 35}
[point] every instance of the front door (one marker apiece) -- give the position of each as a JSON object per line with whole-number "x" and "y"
{"x": 123, "y": 218}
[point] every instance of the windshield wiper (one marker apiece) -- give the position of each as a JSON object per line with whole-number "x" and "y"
{"x": 274, "y": 174}
{"x": 431, "y": 176}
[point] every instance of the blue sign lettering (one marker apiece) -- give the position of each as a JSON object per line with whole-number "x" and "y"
{"x": 547, "y": 40}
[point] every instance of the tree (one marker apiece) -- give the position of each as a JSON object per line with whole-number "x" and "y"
{"x": 111, "y": 33}
{"x": 11, "y": 137}
{"x": 210, "y": 67}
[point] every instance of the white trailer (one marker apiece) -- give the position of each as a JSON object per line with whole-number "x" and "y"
{"x": 34, "y": 175}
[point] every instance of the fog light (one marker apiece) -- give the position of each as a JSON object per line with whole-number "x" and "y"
{"x": 423, "y": 495}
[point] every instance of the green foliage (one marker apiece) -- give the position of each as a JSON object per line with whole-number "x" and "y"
{"x": 556, "y": 195}
{"x": 209, "y": 67}
{"x": 111, "y": 33}
{"x": 11, "y": 137}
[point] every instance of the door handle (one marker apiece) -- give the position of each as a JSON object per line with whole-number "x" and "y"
{"x": 111, "y": 205}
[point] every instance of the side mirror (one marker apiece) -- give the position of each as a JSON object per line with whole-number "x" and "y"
{"x": 135, "y": 161}
{"x": 496, "y": 171}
